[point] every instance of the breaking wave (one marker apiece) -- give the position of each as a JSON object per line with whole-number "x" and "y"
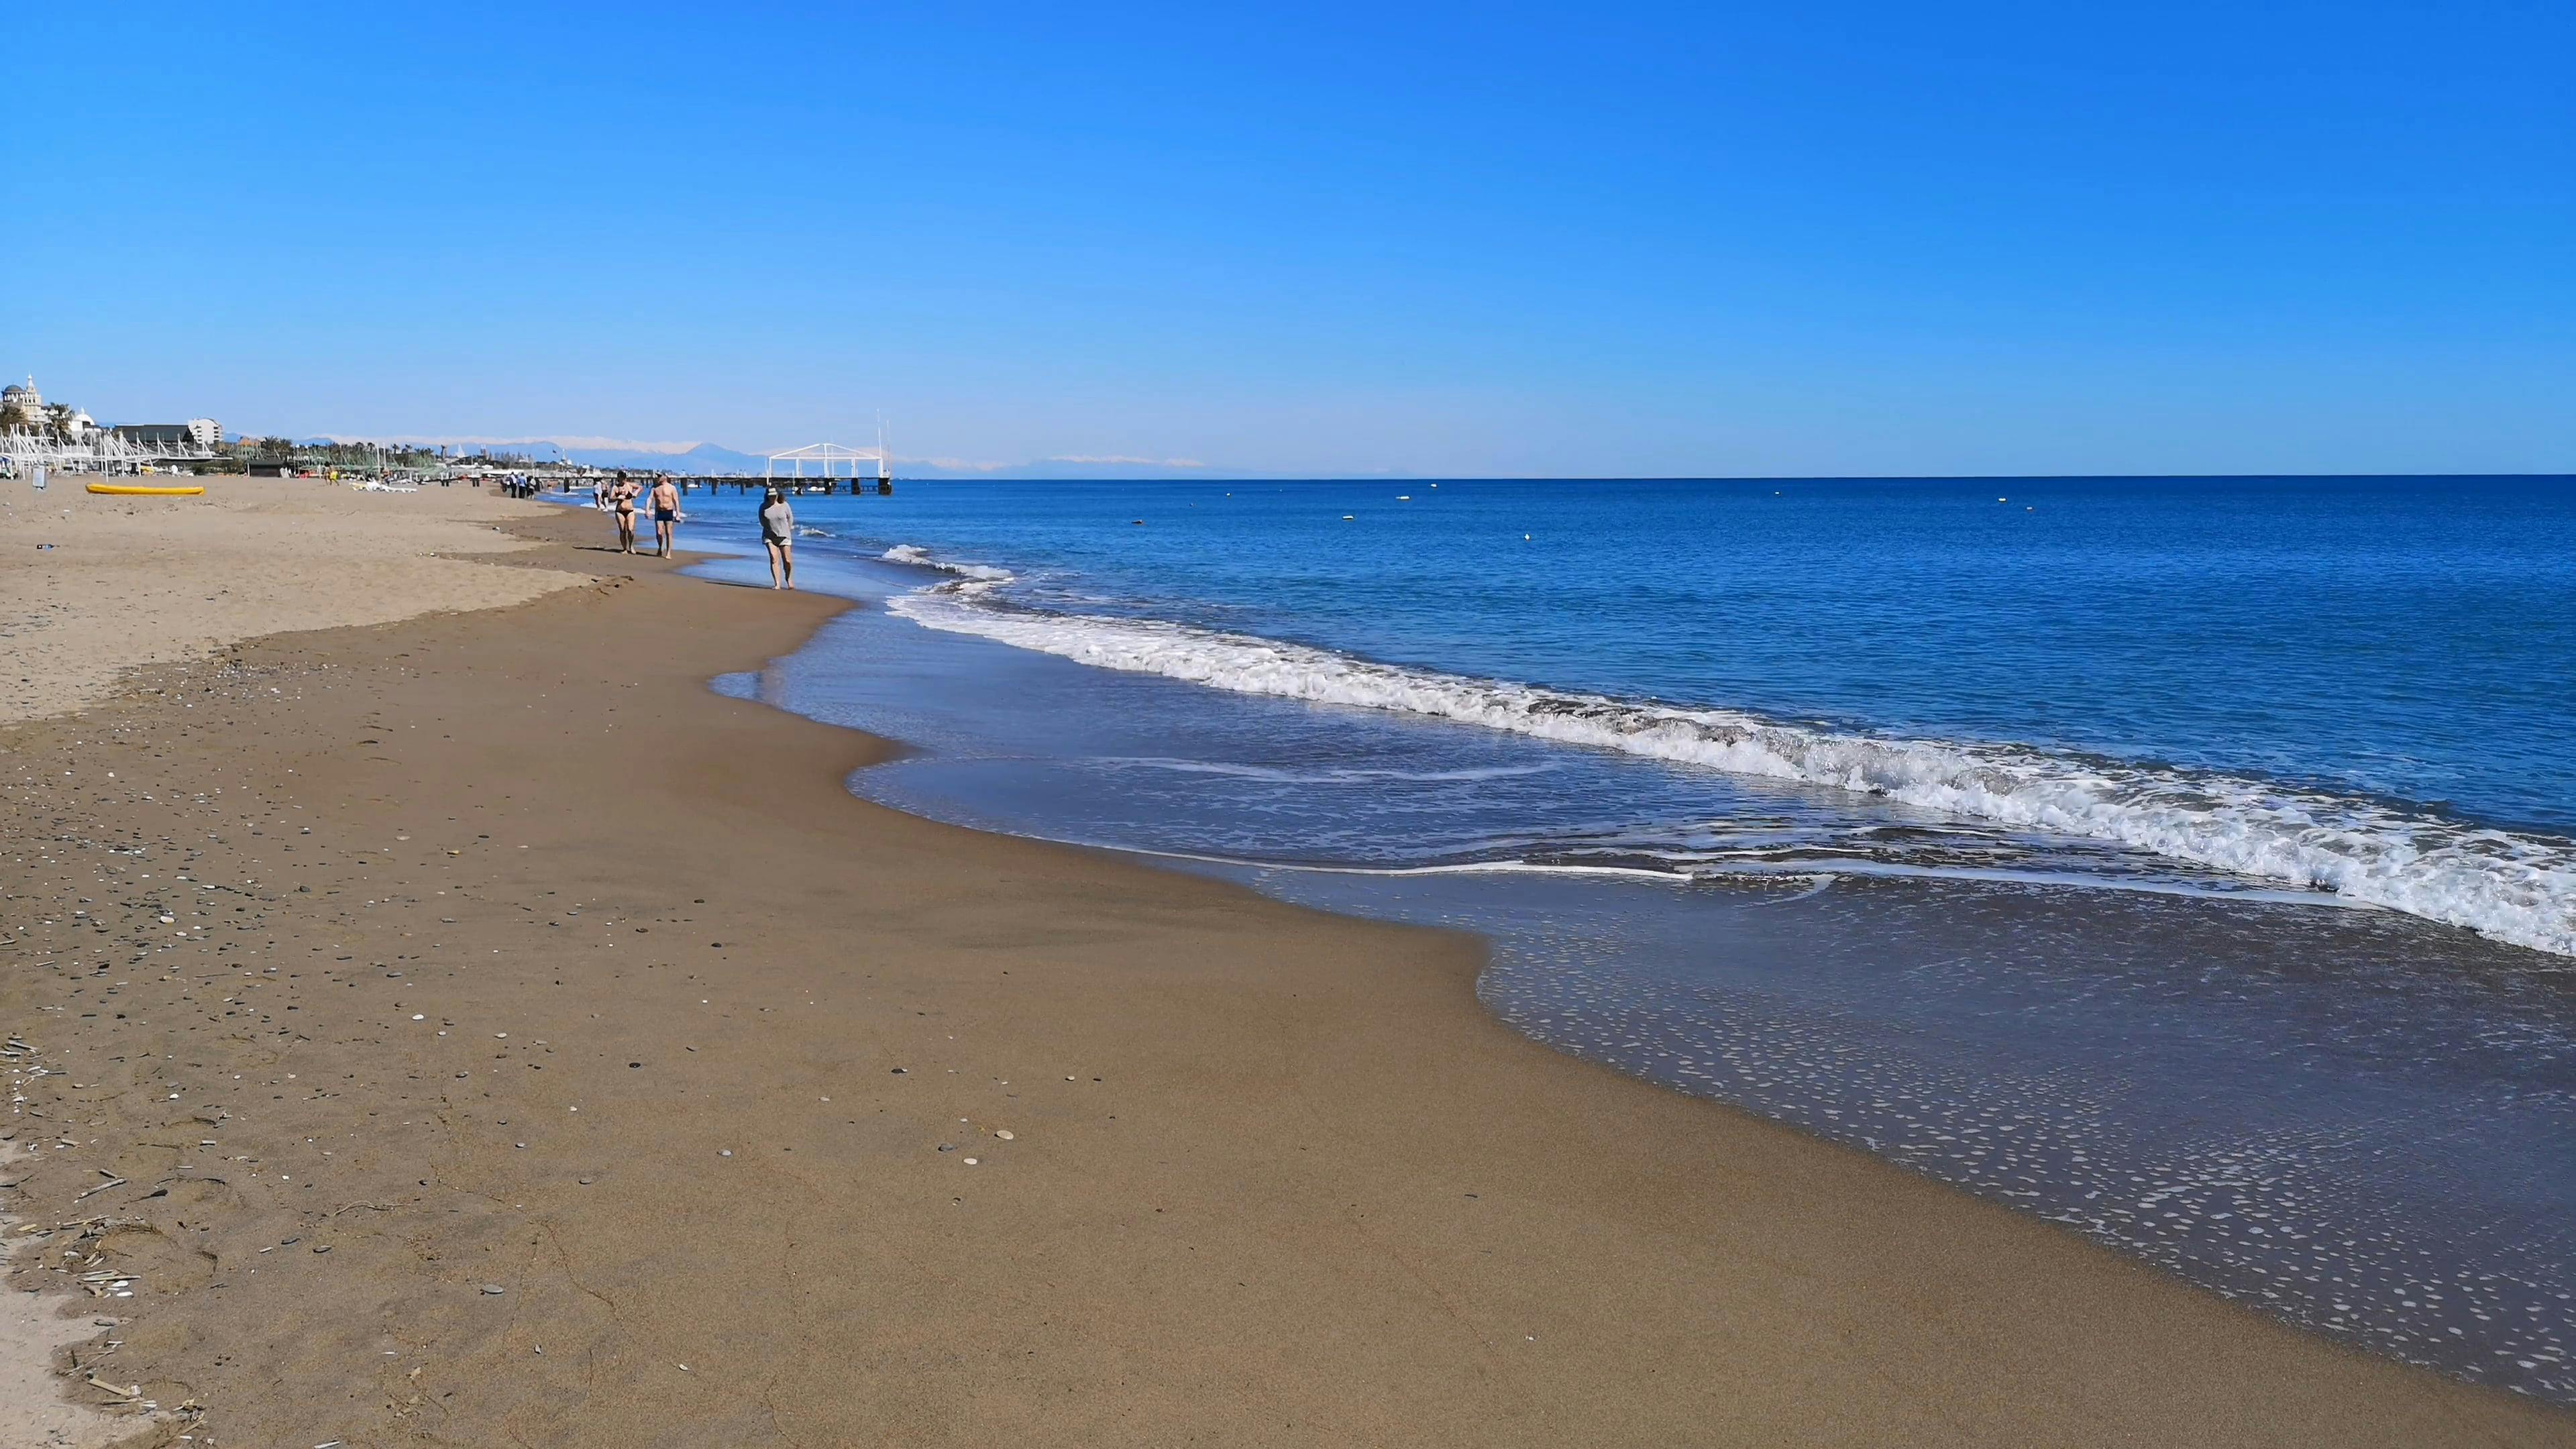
{"x": 2510, "y": 887}
{"x": 1324, "y": 776}
{"x": 975, "y": 578}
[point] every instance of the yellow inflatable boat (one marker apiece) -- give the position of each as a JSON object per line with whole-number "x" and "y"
{"x": 137, "y": 490}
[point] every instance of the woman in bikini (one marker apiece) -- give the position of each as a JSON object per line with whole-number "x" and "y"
{"x": 622, "y": 495}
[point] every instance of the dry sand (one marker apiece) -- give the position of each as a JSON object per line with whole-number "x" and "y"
{"x": 583, "y": 1077}
{"x": 35, "y": 1413}
{"x": 92, "y": 586}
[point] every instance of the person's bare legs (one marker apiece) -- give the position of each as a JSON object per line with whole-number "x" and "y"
{"x": 777, "y": 578}
{"x": 787, "y": 557}
{"x": 664, "y": 531}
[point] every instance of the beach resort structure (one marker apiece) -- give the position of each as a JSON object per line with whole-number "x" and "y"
{"x": 23, "y": 409}
{"x": 195, "y": 435}
{"x": 99, "y": 452}
{"x": 56, "y": 436}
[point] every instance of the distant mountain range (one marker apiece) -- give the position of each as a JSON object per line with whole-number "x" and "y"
{"x": 712, "y": 459}
{"x": 704, "y": 458}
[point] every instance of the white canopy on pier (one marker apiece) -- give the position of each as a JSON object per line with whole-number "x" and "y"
{"x": 825, "y": 457}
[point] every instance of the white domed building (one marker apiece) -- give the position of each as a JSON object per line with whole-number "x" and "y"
{"x": 23, "y": 406}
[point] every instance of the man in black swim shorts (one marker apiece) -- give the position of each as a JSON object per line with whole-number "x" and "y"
{"x": 666, "y": 514}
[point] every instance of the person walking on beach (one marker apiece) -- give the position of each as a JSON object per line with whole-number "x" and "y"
{"x": 778, "y": 530}
{"x": 622, "y": 494}
{"x": 666, "y": 516}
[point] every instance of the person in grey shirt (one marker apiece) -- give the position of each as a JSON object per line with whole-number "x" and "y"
{"x": 778, "y": 530}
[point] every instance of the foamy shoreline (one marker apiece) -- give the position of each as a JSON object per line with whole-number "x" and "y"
{"x": 2517, "y": 889}
{"x": 571, "y": 1113}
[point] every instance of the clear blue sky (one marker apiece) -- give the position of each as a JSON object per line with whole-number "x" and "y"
{"x": 1494, "y": 239}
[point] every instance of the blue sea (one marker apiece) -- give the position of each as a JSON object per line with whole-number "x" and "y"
{"x": 2190, "y": 862}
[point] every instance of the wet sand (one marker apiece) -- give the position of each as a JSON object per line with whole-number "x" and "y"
{"x": 583, "y": 1076}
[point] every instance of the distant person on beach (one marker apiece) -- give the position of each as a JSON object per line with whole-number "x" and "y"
{"x": 666, "y": 516}
{"x": 778, "y": 530}
{"x": 622, "y": 494}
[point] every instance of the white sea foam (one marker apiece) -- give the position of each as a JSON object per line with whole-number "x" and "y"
{"x": 2513, "y": 888}
{"x": 976, "y": 578}
{"x": 1323, "y": 776}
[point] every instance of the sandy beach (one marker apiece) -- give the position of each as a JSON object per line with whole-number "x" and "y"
{"x": 95, "y": 585}
{"x": 455, "y": 1024}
